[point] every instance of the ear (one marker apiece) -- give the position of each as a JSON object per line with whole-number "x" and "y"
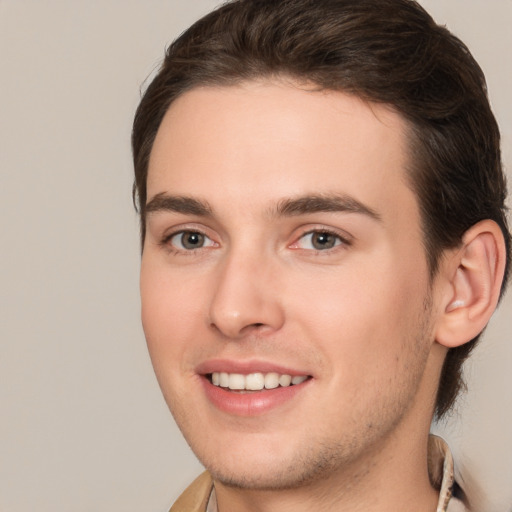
{"x": 471, "y": 279}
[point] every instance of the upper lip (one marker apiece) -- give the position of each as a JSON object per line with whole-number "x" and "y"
{"x": 245, "y": 367}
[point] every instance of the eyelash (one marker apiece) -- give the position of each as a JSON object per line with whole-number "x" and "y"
{"x": 340, "y": 241}
{"x": 167, "y": 241}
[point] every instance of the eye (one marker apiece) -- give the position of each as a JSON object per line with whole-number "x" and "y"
{"x": 319, "y": 241}
{"x": 190, "y": 240}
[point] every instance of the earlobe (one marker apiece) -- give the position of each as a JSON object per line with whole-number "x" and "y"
{"x": 474, "y": 274}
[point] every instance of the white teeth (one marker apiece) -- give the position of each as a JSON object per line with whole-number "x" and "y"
{"x": 285, "y": 380}
{"x": 236, "y": 381}
{"x": 271, "y": 380}
{"x": 255, "y": 381}
{"x": 224, "y": 379}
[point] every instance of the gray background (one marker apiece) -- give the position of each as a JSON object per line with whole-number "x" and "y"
{"x": 83, "y": 426}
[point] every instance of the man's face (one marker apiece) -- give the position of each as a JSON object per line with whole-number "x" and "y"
{"x": 283, "y": 241}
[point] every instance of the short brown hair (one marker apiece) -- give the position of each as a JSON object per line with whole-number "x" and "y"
{"x": 385, "y": 51}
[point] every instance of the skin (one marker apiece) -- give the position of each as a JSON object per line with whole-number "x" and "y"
{"x": 359, "y": 318}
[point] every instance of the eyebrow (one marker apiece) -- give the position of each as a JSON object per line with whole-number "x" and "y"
{"x": 291, "y": 207}
{"x": 178, "y": 204}
{"x": 323, "y": 203}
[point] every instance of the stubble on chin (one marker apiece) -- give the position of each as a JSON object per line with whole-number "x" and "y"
{"x": 306, "y": 467}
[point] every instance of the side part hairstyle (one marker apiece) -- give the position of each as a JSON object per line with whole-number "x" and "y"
{"x": 383, "y": 51}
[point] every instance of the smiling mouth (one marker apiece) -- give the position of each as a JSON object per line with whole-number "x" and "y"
{"x": 254, "y": 381}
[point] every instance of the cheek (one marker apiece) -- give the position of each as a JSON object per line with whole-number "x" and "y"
{"x": 171, "y": 310}
{"x": 364, "y": 315}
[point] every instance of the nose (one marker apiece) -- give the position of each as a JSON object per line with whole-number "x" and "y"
{"x": 246, "y": 298}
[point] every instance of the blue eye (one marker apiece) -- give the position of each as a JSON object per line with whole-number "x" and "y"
{"x": 319, "y": 240}
{"x": 190, "y": 240}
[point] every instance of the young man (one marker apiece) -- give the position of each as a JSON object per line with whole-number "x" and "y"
{"x": 324, "y": 239}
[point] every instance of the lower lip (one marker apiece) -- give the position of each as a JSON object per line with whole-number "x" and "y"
{"x": 253, "y": 403}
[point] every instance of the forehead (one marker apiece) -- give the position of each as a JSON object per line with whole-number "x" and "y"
{"x": 260, "y": 142}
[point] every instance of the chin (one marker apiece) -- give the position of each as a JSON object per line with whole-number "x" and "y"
{"x": 267, "y": 469}
{"x": 264, "y": 479}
